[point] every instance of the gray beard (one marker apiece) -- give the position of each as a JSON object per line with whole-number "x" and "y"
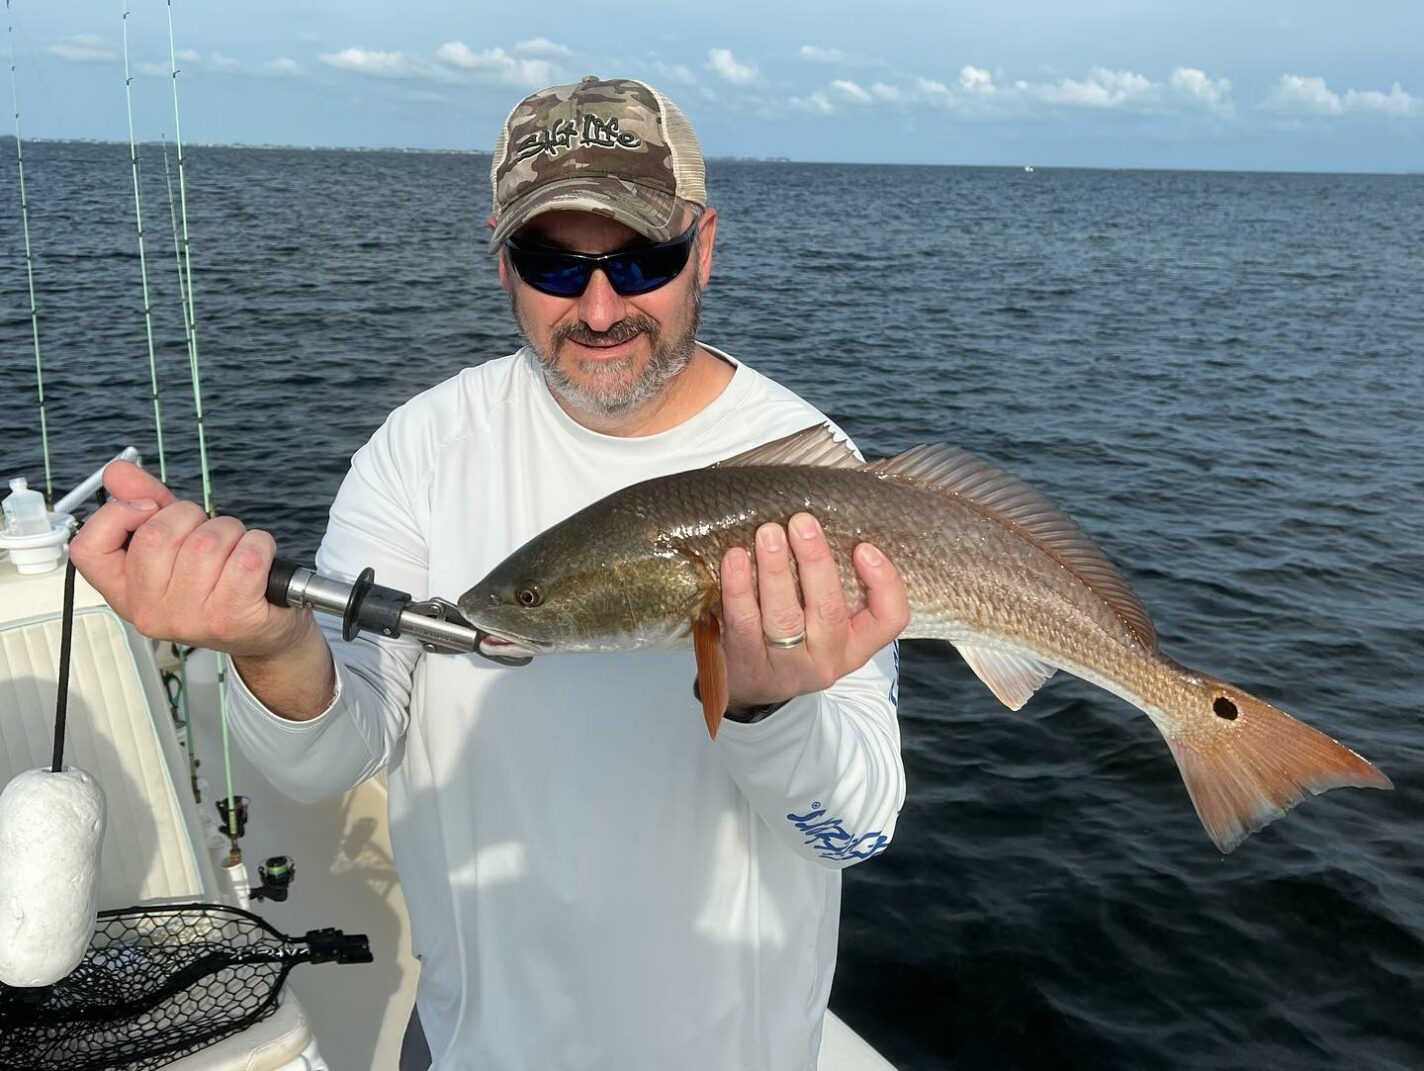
{"x": 610, "y": 393}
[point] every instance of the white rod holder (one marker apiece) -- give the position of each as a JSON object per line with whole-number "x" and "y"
{"x": 92, "y": 482}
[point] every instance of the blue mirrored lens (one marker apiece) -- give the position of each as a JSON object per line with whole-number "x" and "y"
{"x": 638, "y": 275}
{"x": 633, "y": 271}
{"x": 553, "y": 273}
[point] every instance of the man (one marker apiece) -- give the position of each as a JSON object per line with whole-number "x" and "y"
{"x": 592, "y": 882}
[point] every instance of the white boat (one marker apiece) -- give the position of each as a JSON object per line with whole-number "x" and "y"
{"x": 162, "y": 846}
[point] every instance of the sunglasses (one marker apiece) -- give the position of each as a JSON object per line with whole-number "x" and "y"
{"x": 632, "y": 271}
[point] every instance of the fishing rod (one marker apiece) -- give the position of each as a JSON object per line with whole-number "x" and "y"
{"x": 29, "y": 258}
{"x": 185, "y": 279}
{"x": 142, "y": 259}
{"x": 231, "y": 805}
{"x": 182, "y": 651}
{"x": 365, "y": 606}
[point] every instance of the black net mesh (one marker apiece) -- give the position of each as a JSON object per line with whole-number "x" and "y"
{"x": 157, "y": 984}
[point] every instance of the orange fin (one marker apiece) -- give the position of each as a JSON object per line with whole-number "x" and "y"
{"x": 1246, "y": 763}
{"x": 711, "y": 669}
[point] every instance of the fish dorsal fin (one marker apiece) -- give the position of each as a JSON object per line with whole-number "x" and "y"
{"x": 1012, "y": 503}
{"x": 816, "y": 445}
{"x": 1012, "y": 677}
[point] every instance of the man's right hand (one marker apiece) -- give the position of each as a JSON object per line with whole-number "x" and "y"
{"x": 176, "y": 575}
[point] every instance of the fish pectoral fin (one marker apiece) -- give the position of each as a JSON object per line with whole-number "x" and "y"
{"x": 711, "y": 669}
{"x": 1012, "y": 677}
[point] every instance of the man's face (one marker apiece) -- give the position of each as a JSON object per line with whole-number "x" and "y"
{"x": 603, "y": 353}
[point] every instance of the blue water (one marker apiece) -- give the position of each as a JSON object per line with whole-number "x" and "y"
{"x": 1219, "y": 375}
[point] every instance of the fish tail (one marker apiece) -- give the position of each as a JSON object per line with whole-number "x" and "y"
{"x": 1247, "y": 763}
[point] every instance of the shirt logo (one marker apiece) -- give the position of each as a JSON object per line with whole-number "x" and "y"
{"x": 567, "y": 134}
{"x": 830, "y": 839}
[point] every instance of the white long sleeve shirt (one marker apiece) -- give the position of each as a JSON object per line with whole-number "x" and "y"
{"x": 592, "y": 882}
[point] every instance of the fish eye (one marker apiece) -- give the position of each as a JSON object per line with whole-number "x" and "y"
{"x": 528, "y": 595}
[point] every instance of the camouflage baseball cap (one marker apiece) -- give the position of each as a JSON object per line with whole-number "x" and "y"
{"x": 618, "y": 148}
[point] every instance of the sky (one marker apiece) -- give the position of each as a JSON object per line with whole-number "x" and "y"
{"x": 1321, "y": 85}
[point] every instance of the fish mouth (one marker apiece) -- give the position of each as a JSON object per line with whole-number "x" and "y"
{"x": 498, "y": 646}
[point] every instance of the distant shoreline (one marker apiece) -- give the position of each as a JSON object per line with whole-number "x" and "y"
{"x": 766, "y": 160}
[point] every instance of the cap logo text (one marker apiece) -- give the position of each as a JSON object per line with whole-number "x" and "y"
{"x": 566, "y": 134}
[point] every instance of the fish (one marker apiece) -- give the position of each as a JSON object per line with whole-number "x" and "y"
{"x": 990, "y": 565}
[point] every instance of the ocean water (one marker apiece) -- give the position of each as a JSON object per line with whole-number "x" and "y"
{"x": 1220, "y": 375}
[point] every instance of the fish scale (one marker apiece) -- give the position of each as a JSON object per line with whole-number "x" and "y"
{"x": 961, "y": 575}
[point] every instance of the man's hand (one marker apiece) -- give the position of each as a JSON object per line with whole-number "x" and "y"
{"x": 176, "y": 575}
{"x": 757, "y": 611}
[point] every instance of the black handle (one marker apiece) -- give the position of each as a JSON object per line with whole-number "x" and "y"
{"x": 363, "y": 605}
{"x": 279, "y": 580}
{"x": 355, "y": 616}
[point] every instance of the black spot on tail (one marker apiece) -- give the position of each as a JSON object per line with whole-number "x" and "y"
{"x": 1224, "y": 708}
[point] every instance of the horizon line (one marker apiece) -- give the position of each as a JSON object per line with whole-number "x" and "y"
{"x": 1017, "y": 166}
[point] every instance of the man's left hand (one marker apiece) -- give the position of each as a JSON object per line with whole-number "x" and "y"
{"x": 760, "y": 610}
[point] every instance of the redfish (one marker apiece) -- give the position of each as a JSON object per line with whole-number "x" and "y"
{"x": 991, "y": 566}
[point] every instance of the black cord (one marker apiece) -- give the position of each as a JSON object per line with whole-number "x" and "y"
{"x": 66, "y": 638}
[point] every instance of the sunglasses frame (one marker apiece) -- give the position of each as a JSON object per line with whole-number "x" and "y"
{"x": 592, "y": 262}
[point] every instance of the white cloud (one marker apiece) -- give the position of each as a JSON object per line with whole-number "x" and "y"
{"x": 851, "y": 90}
{"x": 456, "y": 62}
{"x": 1295, "y": 94}
{"x": 975, "y": 95}
{"x": 887, "y": 94}
{"x": 1101, "y": 89}
{"x": 674, "y": 72}
{"x": 815, "y": 102}
{"x": 875, "y": 93}
{"x": 1196, "y": 86}
{"x": 843, "y": 94}
{"x": 369, "y": 61}
{"x": 284, "y": 65}
{"x": 816, "y": 54}
{"x": 498, "y": 66}
{"x": 1303, "y": 96}
{"x": 84, "y": 48}
{"x": 975, "y": 80}
{"x": 1396, "y": 103}
{"x": 541, "y": 46}
{"x": 725, "y": 64}
{"x": 188, "y": 60}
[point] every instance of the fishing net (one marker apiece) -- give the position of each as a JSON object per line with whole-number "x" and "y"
{"x": 157, "y": 984}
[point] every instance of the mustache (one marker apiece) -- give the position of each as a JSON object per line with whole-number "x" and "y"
{"x": 621, "y": 331}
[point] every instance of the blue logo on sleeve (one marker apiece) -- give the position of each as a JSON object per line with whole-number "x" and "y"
{"x": 832, "y": 840}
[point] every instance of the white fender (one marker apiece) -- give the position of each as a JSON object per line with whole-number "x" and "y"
{"x": 51, "y": 831}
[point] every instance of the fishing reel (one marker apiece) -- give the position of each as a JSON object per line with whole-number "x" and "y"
{"x": 277, "y": 874}
{"x": 234, "y": 816}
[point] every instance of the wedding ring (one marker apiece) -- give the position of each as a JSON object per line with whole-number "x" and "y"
{"x": 789, "y": 643}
